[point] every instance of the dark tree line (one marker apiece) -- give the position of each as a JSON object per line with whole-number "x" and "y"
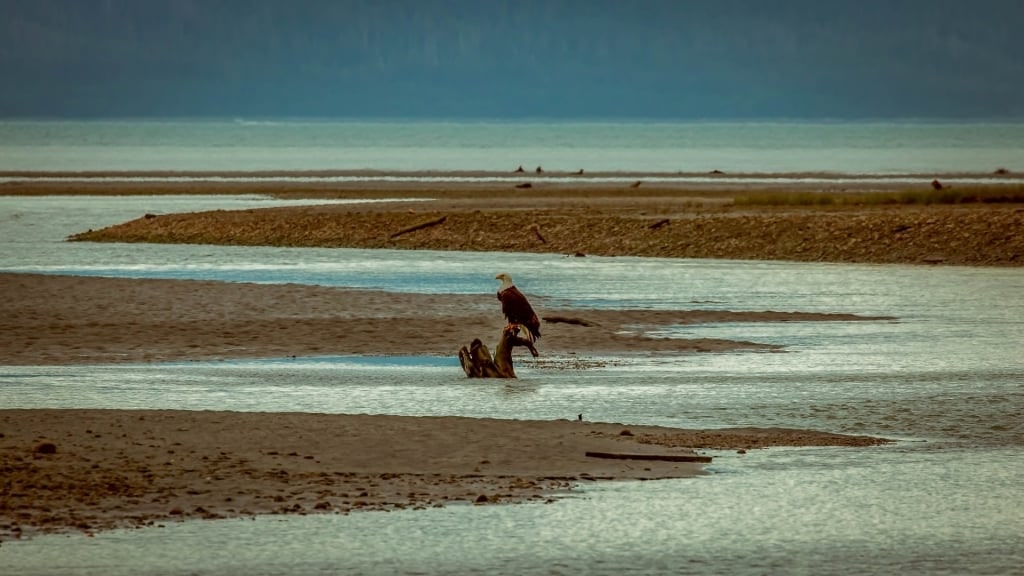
{"x": 569, "y": 58}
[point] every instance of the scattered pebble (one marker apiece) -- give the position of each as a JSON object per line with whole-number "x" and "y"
{"x": 46, "y": 448}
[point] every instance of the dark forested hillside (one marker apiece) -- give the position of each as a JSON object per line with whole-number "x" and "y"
{"x": 512, "y": 58}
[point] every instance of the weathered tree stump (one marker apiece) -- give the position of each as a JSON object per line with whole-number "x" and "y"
{"x": 477, "y": 362}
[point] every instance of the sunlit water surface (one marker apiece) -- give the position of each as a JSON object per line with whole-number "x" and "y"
{"x": 944, "y": 376}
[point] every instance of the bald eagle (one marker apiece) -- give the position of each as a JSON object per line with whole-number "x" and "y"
{"x": 516, "y": 307}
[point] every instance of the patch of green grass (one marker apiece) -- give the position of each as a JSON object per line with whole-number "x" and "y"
{"x": 950, "y": 195}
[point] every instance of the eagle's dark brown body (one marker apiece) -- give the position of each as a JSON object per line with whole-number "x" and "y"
{"x": 517, "y": 309}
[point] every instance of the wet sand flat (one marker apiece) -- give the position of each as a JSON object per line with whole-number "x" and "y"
{"x": 90, "y": 470}
{"x": 49, "y": 319}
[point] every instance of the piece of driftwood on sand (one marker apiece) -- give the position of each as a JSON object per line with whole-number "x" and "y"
{"x": 570, "y": 320}
{"x": 661, "y": 457}
{"x": 419, "y": 226}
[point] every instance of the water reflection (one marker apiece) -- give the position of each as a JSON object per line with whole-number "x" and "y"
{"x": 980, "y": 406}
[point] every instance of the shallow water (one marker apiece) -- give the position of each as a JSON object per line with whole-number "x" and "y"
{"x": 754, "y": 515}
{"x": 976, "y": 408}
{"x": 945, "y": 376}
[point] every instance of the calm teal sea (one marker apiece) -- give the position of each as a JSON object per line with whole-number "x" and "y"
{"x": 911, "y": 146}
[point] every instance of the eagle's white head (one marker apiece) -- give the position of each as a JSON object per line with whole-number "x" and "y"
{"x": 506, "y": 280}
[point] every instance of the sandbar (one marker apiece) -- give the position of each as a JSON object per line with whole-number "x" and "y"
{"x": 91, "y": 470}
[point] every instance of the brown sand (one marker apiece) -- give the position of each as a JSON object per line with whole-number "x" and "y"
{"x": 65, "y": 320}
{"x": 986, "y": 235}
{"x": 91, "y": 470}
{"x": 591, "y": 219}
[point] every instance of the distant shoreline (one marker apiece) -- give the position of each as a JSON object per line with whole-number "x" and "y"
{"x": 12, "y": 181}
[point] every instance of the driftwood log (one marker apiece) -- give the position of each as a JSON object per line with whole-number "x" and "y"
{"x": 662, "y": 457}
{"x": 477, "y": 361}
{"x": 419, "y": 226}
{"x": 569, "y": 320}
